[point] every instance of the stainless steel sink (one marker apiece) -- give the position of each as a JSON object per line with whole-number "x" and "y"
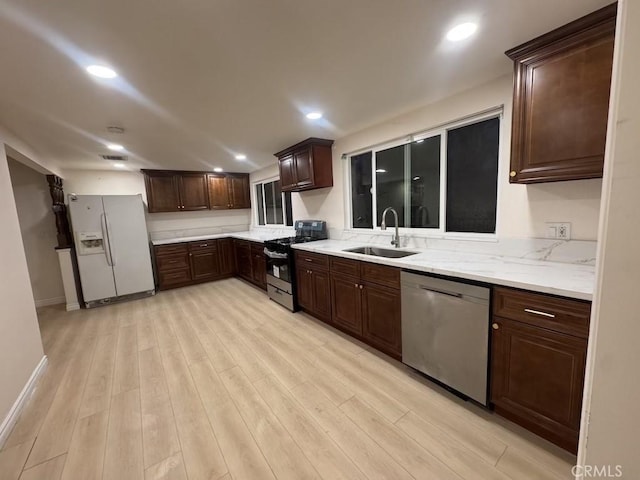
{"x": 380, "y": 252}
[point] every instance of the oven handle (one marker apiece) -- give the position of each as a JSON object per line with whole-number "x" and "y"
{"x": 272, "y": 254}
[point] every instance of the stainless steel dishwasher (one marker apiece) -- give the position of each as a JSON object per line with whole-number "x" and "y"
{"x": 445, "y": 332}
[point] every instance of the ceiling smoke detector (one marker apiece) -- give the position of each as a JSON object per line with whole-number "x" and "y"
{"x": 115, "y": 158}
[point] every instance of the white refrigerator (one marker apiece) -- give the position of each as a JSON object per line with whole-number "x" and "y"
{"x": 112, "y": 246}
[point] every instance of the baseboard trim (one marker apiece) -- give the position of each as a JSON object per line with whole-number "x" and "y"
{"x": 12, "y": 417}
{"x": 73, "y": 306}
{"x": 45, "y": 302}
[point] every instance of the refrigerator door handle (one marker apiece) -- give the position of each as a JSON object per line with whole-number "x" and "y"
{"x": 105, "y": 239}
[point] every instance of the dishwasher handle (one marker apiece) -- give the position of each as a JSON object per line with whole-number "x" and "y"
{"x": 443, "y": 292}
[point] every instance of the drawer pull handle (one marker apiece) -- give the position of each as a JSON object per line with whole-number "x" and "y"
{"x": 538, "y": 312}
{"x": 308, "y": 260}
{"x": 204, "y": 245}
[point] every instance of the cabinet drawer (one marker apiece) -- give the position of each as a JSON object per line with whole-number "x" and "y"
{"x": 172, "y": 262}
{"x": 312, "y": 259}
{"x": 558, "y": 314}
{"x": 345, "y": 266}
{"x": 174, "y": 277}
{"x": 202, "y": 245}
{"x": 171, "y": 249}
{"x": 380, "y": 274}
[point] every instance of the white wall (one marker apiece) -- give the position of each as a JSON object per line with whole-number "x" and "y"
{"x": 265, "y": 173}
{"x": 99, "y": 182}
{"x": 38, "y": 230}
{"x": 611, "y": 418}
{"x": 522, "y": 209}
{"x": 20, "y": 344}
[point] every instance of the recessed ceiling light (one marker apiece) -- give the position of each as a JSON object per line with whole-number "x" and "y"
{"x": 381, "y": 170}
{"x": 217, "y": 169}
{"x": 101, "y": 71}
{"x": 241, "y": 156}
{"x": 118, "y": 165}
{"x": 314, "y": 115}
{"x": 462, "y": 31}
{"x": 115, "y": 147}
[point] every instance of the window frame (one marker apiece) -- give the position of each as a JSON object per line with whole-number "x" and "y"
{"x": 256, "y": 215}
{"x": 440, "y": 232}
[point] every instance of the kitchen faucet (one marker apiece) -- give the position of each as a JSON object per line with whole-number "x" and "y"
{"x": 396, "y": 238}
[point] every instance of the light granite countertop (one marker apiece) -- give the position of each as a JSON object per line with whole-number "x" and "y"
{"x": 248, "y": 235}
{"x": 564, "y": 279}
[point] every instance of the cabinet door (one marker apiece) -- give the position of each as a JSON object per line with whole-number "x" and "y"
{"x": 287, "y": 173}
{"x": 239, "y": 196}
{"x": 321, "y": 294}
{"x": 218, "y": 192}
{"x": 205, "y": 264}
{"x": 226, "y": 257}
{"x": 381, "y": 318}
{"x": 162, "y": 193}
{"x": 346, "y": 307}
{"x": 561, "y": 102}
{"x": 193, "y": 191}
{"x": 303, "y": 167}
{"x": 243, "y": 259}
{"x": 537, "y": 378}
{"x": 304, "y": 285}
{"x": 259, "y": 269}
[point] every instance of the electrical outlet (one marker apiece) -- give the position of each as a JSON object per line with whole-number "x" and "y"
{"x": 560, "y": 230}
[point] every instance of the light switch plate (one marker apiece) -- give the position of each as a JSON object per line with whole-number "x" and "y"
{"x": 559, "y": 230}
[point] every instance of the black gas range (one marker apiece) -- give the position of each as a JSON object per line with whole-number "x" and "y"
{"x": 281, "y": 281}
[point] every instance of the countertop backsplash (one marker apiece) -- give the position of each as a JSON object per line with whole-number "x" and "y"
{"x": 196, "y": 232}
{"x": 582, "y": 252}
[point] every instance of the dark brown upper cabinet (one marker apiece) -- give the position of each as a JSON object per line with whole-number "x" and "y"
{"x": 178, "y": 191}
{"x": 193, "y": 191}
{"x": 229, "y": 191}
{"x": 306, "y": 165}
{"x": 169, "y": 191}
{"x": 561, "y": 101}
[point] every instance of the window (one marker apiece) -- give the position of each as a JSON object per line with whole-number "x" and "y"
{"x": 274, "y": 207}
{"x": 446, "y": 180}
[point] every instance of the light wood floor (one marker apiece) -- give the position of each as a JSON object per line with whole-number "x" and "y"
{"x": 216, "y": 382}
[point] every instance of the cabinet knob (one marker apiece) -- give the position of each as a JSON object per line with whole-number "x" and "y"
{"x": 512, "y": 173}
{"x": 360, "y": 287}
{"x": 495, "y": 326}
{"x": 355, "y": 285}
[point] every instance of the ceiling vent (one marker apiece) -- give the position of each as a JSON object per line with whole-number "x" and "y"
{"x": 115, "y": 158}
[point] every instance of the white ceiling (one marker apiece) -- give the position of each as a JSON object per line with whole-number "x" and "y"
{"x": 202, "y": 80}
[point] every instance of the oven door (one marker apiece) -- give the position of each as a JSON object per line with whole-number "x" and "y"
{"x": 279, "y": 265}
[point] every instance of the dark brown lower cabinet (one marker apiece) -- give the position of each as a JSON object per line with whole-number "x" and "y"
{"x": 366, "y": 302}
{"x": 346, "y": 303}
{"x": 227, "y": 257}
{"x": 250, "y": 262}
{"x": 205, "y": 264}
{"x": 258, "y": 266}
{"x": 243, "y": 258}
{"x": 381, "y": 322}
{"x": 314, "y": 292}
{"x": 181, "y": 264}
{"x": 537, "y": 373}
